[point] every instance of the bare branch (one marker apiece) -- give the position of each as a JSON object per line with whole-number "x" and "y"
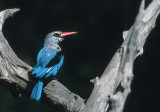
{"x": 112, "y": 88}
{"x": 5, "y": 14}
{"x": 15, "y": 75}
{"x": 130, "y": 50}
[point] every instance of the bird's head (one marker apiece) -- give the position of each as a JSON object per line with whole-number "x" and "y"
{"x": 57, "y": 36}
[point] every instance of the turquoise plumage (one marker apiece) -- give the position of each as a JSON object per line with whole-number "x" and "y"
{"x": 49, "y": 61}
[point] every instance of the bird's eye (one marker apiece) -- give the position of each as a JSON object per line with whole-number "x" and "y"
{"x": 56, "y": 35}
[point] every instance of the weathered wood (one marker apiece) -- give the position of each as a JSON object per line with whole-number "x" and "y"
{"x": 110, "y": 90}
{"x": 15, "y": 75}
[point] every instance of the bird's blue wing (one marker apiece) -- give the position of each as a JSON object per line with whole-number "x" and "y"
{"x": 56, "y": 60}
{"x": 54, "y": 69}
{"x": 43, "y": 58}
{"x": 38, "y": 66}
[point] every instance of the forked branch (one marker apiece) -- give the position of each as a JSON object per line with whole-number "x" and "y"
{"x": 110, "y": 90}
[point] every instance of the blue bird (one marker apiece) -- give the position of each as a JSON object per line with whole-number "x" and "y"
{"x": 49, "y": 61}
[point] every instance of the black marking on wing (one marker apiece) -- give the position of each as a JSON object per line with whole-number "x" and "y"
{"x": 55, "y": 60}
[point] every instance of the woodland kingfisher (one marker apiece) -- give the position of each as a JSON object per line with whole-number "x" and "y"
{"x": 49, "y": 60}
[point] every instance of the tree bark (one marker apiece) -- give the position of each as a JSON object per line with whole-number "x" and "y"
{"x": 110, "y": 90}
{"x": 16, "y": 76}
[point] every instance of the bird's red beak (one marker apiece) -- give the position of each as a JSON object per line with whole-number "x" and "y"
{"x": 67, "y": 33}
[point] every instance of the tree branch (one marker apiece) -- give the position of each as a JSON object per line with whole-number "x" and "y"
{"x": 15, "y": 75}
{"x": 110, "y": 90}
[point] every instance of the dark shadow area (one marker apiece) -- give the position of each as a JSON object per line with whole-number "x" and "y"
{"x": 99, "y": 24}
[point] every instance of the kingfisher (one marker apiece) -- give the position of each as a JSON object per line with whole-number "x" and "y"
{"x": 49, "y": 60}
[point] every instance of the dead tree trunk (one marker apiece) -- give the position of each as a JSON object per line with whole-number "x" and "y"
{"x": 110, "y": 90}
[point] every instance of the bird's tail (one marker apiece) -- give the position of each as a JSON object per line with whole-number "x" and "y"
{"x": 37, "y": 90}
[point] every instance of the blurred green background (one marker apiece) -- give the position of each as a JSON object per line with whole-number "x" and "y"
{"x": 99, "y": 24}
